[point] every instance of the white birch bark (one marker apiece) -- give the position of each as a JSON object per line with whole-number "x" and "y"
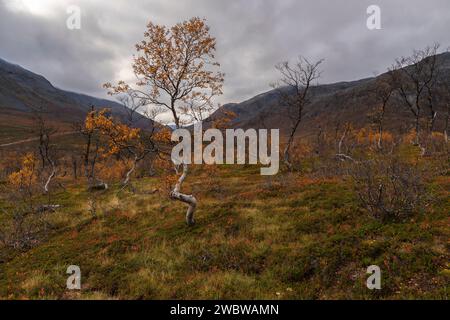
{"x": 188, "y": 199}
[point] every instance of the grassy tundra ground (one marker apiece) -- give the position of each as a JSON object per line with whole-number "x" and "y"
{"x": 283, "y": 237}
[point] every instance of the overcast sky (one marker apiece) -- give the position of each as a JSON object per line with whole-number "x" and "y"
{"x": 252, "y": 36}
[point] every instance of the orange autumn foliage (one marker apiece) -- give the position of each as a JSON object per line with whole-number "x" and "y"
{"x": 163, "y": 135}
{"x": 175, "y": 67}
{"x": 120, "y": 136}
{"x": 367, "y": 136}
{"x": 26, "y": 177}
{"x": 112, "y": 169}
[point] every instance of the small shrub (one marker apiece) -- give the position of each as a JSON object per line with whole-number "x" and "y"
{"x": 389, "y": 188}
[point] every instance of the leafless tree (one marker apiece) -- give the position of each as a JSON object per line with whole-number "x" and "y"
{"x": 340, "y": 153}
{"x": 382, "y": 92}
{"x": 294, "y": 93}
{"x": 414, "y": 78}
{"x": 44, "y": 132}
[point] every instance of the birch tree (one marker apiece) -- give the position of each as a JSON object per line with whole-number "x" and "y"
{"x": 382, "y": 92}
{"x": 176, "y": 70}
{"x": 294, "y": 93}
{"x": 122, "y": 140}
{"x": 91, "y": 151}
{"x": 414, "y": 78}
{"x": 44, "y": 133}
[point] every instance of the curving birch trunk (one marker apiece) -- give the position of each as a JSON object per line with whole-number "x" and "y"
{"x": 51, "y": 176}
{"x": 188, "y": 199}
{"x": 182, "y": 80}
{"x": 130, "y": 172}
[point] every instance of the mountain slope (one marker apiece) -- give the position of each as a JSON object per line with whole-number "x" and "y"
{"x": 21, "y": 90}
{"x": 331, "y": 104}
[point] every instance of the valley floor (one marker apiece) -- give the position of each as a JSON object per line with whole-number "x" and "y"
{"x": 283, "y": 237}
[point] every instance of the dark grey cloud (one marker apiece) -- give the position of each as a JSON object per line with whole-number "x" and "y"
{"x": 252, "y": 36}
